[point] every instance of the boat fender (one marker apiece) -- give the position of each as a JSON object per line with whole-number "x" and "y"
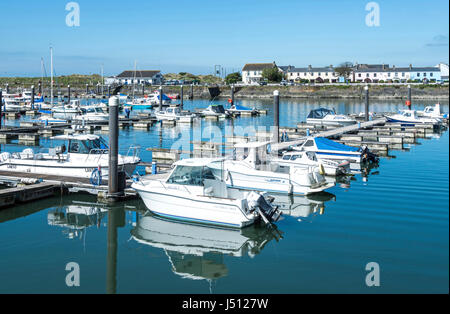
{"x": 96, "y": 177}
{"x": 321, "y": 169}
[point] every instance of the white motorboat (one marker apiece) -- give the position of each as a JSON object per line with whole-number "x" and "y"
{"x": 91, "y": 113}
{"x": 432, "y": 112}
{"x": 309, "y": 159}
{"x": 237, "y": 109}
{"x": 173, "y": 114}
{"x": 86, "y": 157}
{"x": 327, "y": 149}
{"x": 192, "y": 193}
{"x": 410, "y": 117}
{"x": 67, "y": 112}
{"x": 13, "y": 104}
{"x": 328, "y": 117}
{"x": 215, "y": 111}
{"x": 250, "y": 169}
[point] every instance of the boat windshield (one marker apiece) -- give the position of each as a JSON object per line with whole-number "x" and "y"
{"x": 97, "y": 146}
{"x": 218, "y": 109}
{"x": 187, "y": 175}
{"x": 320, "y": 113}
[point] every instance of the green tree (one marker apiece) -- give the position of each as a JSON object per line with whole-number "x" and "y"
{"x": 233, "y": 78}
{"x": 272, "y": 75}
{"x": 344, "y": 69}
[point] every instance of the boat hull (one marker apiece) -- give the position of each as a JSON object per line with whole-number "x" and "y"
{"x": 183, "y": 206}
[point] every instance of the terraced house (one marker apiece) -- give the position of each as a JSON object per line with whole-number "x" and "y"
{"x": 313, "y": 75}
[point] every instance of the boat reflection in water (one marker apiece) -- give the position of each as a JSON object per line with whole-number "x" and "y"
{"x": 197, "y": 252}
{"x": 77, "y": 217}
{"x": 302, "y": 206}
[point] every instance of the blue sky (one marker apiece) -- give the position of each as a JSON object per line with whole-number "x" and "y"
{"x": 195, "y": 35}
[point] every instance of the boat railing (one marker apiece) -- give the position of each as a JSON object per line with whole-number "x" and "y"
{"x": 134, "y": 151}
{"x": 97, "y": 152}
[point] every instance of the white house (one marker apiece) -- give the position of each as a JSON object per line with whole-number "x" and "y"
{"x": 375, "y": 73}
{"x": 317, "y": 75}
{"x": 252, "y": 72}
{"x": 444, "y": 71}
{"x": 153, "y": 77}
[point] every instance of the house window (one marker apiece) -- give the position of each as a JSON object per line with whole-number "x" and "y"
{"x": 418, "y": 74}
{"x": 359, "y": 75}
{"x": 254, "y": 73}
{"x": 318, "y": 74}
{"x": 298, "y": 74}
{"x": 367, "y": 75}
{"x": 396, "y": 74}
{"x": 389, "y": 74}
{"x": 424, "y": 75}
{"x": 431, "y": 74}
{"x": 403, "y": 74}
{"x": 374, "y": 75}
{"x": 305, "y": 74}
{"x": 326, "y": 74}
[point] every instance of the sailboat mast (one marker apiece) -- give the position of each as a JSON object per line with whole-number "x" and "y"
{"x": 51, "y": 75}
{"x": 134, "y": 80}
{"x": 42, "y": 78}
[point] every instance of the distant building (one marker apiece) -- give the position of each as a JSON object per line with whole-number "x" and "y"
{"x": 252, "y": 72}
{"x": 314, "y": 75}
{"x": 152, "y": 77}
{"x": 444, "y": 71}
{"x": 426, "y": 74}
{"x": 376, "y": 73}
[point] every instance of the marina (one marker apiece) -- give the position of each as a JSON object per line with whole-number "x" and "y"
{"x": 224, "y": 156}
{"x": 180, "y": 256}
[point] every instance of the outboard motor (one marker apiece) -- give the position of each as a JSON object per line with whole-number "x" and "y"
{"x": 267, "y": 212}
{"x": 367, "y": 155}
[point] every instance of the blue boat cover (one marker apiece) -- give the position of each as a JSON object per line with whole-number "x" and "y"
{"x": 242, "y": 108}
{"x": 165, "y": 97}
{"x": 326, "y": 144}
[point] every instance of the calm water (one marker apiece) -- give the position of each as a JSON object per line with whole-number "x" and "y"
{"x": 397, "y": 216}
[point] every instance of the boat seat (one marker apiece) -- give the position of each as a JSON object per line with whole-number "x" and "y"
{"x": 5, "y": 156}
{"x": 27, "y": 153}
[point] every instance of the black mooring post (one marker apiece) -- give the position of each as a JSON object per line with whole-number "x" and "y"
{"x": 113, "y": 179}
{"x": 1, "y": 107}
{"x": 276, "y": 116}
{"x": 7, "y": 88}
{"x": 409, "y": 102}
{"x": 143, "y": 89}
{"x": 32, "y": 97}
{"x": 192, "y": 91}
{"x": 366, "y": 118}
{"x": 160, "y": 98}
{"x": 232, "y": 94}
{"x": 87, "y": 89}
{"x": 181, "y": 98}
{"x": 109, "y": 91}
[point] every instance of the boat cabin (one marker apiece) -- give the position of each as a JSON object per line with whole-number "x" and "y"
{"x": 218, "y": 109}
{"x": 83, "y": 144}
{"x": 91, "y": 110}
{"x": 253, "y": 153}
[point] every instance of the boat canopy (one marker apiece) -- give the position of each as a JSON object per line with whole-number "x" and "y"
{"x": 197, "y": 162}
{"x": 252, "y": 145}
{"x": 217, "y": 108}
{"x": 242, "y": 108}
{"x": 79, "y": 137}
{"x": 320, "y": 113}
{"x": 323, "y": 143}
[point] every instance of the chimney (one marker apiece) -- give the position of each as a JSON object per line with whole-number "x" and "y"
{"x": 410, "y": 66}
{"x": 309, "y": 67}
{"x": 393, "y": 67}
{"x": 331, "y": 66}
